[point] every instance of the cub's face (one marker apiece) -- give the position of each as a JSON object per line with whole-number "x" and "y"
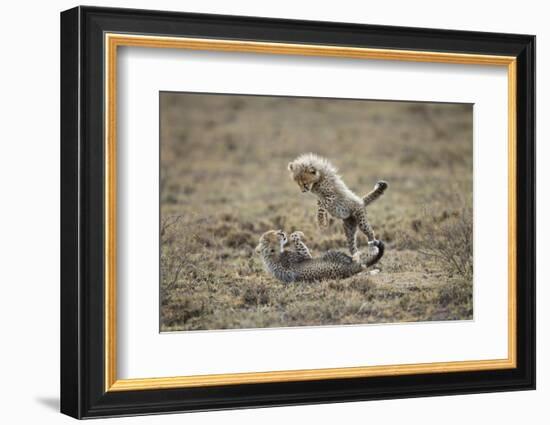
{"x": 305, "y": 176}
{"x": 271, "y": 242}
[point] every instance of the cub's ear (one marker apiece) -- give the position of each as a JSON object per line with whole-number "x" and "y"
{"x": 257, "y": 249}
{"x": 290, "y": 166}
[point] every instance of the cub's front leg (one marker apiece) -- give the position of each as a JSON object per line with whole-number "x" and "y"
{"x": 322, "y": 215}
{"x": 299, "y": 246}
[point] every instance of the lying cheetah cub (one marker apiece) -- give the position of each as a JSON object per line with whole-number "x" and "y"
{"x": 298, "y": 265}
{"x": 317, "y": 175}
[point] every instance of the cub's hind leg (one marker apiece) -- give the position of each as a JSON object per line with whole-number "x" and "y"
{"x": 299, "y": 246}
{"x": 365, "y": 227}
{"x": 350, "y": 229}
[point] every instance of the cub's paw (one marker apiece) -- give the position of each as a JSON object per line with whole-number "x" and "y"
{"x": 356, "y": 257}
{"x": 296, "y": 236}
{"x": 323, "y": 223}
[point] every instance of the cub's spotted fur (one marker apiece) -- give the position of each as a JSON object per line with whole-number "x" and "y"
{"x": 297, "y": 264}
{"x": 317, "y": 175}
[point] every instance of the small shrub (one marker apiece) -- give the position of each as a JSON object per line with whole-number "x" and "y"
{"x": 177, "y": 245}
{"x": 449, "y": 238}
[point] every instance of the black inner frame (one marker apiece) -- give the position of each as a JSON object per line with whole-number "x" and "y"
{"x": 82, "y": 212}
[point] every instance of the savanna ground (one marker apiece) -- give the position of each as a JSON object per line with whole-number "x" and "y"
{"x": 224, "y": 182}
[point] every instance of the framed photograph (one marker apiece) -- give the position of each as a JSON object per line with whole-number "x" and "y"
{"x": 261, "y": 212}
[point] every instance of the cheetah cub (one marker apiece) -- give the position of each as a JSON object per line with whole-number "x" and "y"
{"x": 296, "y": 264}
{"x": 317, "y": 175}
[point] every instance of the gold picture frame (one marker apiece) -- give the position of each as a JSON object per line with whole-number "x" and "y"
{"x": 114, "y": 41}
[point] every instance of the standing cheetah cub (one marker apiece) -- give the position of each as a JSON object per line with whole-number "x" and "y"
{"x": 317, "y": 175}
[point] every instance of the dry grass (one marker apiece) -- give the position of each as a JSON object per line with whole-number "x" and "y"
{"x": 224, "y": 182}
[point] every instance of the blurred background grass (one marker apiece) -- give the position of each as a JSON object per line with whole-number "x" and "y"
{"x": 224, "y": 182}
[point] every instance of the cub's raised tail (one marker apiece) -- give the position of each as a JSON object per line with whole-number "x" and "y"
{"x": 380, "y": 245}
{"x": 374, "y": 194}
